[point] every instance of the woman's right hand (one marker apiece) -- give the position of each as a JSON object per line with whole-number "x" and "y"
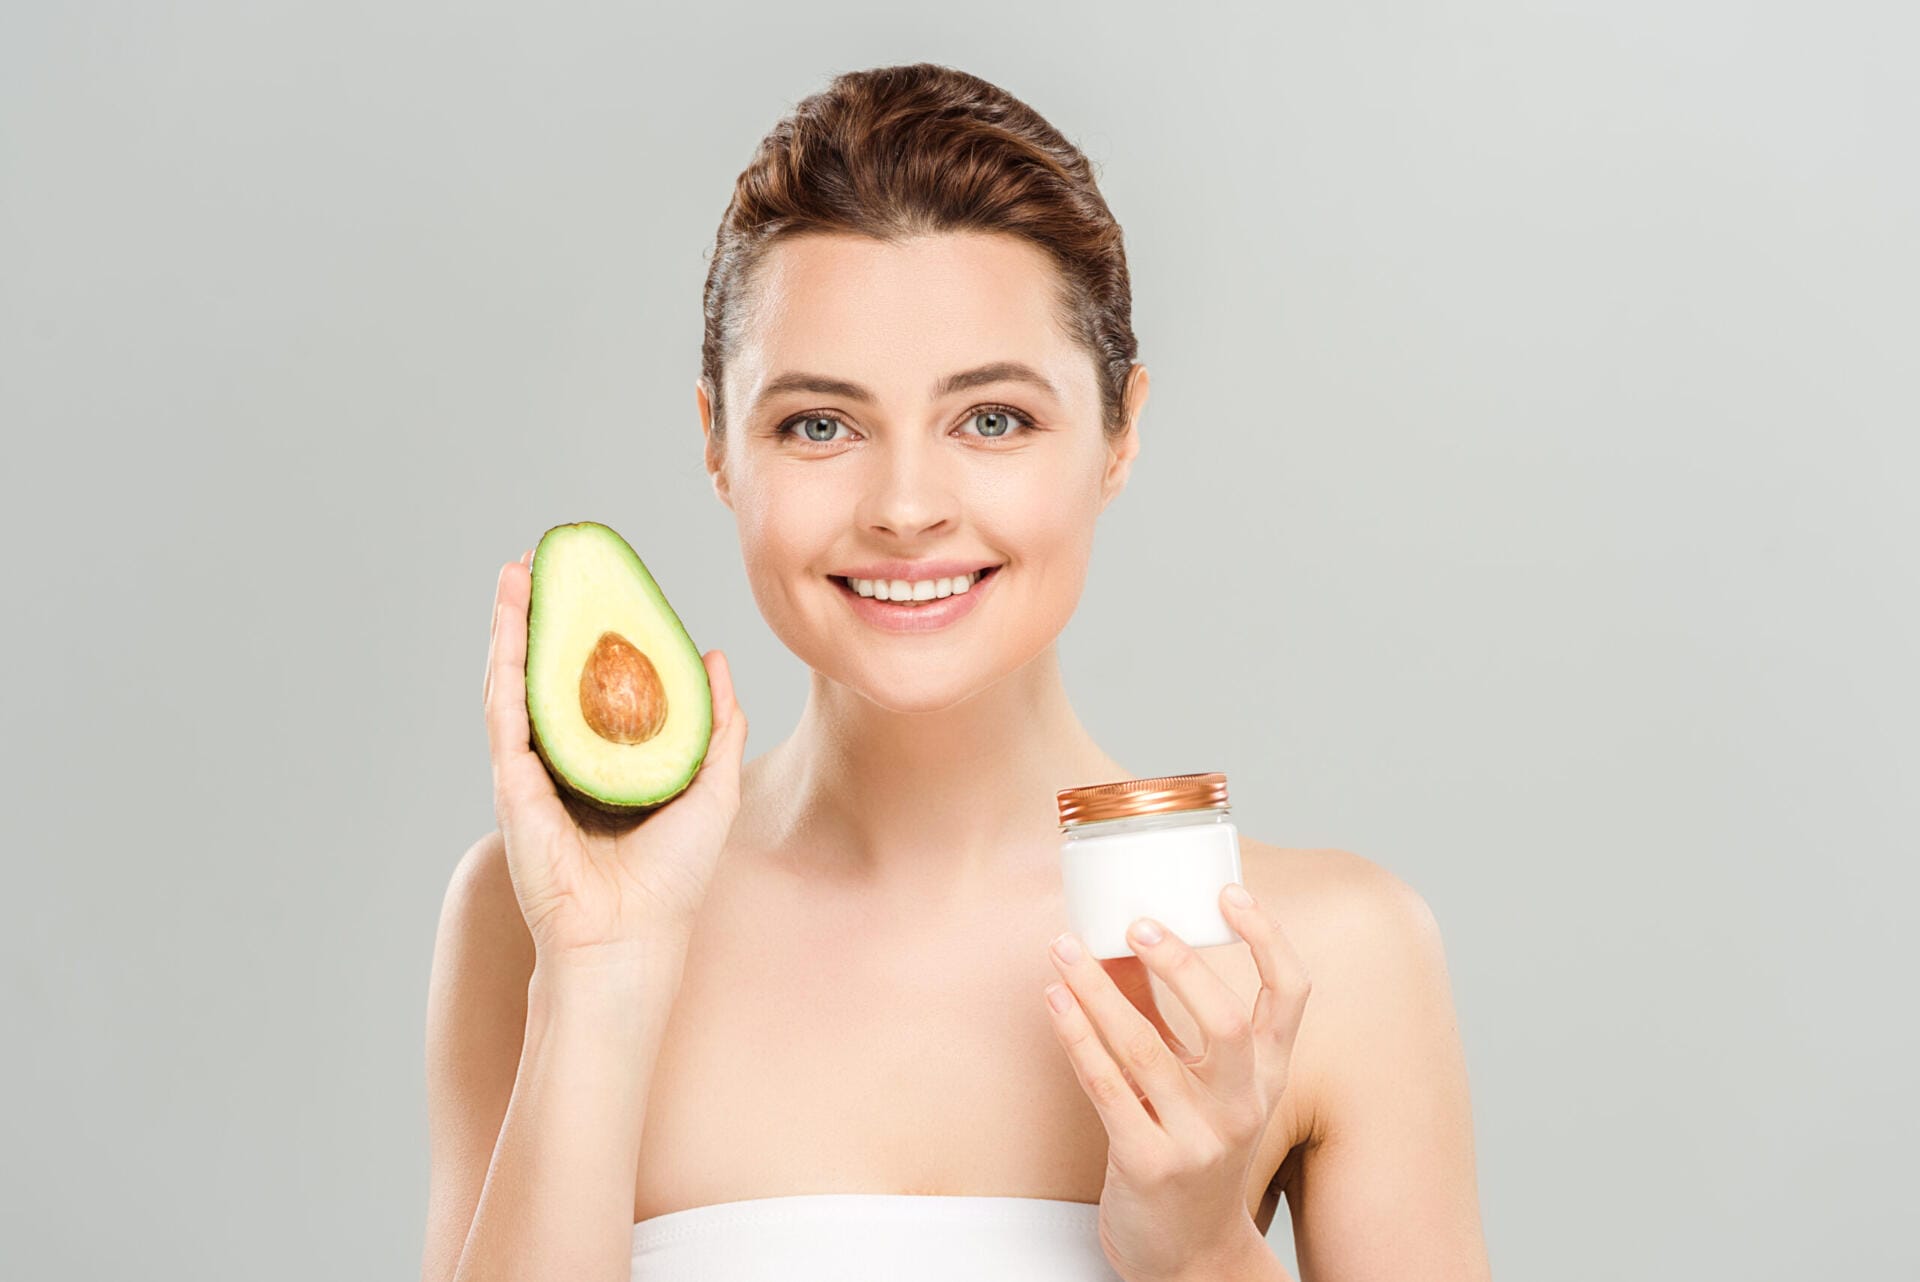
{"x": 599, "y": 890}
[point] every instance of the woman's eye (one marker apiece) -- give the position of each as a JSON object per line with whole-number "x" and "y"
{"x": 817, "y": 429}
{"x": 995, "y": 422}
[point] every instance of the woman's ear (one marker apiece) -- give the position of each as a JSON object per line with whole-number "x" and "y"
{"x": 715, "y": 455}
{"x": 1123, "y": 448}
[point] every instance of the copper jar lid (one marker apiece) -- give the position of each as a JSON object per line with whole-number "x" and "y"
{"x": 1153, "y": 796}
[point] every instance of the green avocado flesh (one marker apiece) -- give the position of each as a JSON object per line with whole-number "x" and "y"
{"x": 617, "y": 697}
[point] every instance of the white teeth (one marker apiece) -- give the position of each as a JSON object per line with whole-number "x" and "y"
{"x": 918, "y": 590}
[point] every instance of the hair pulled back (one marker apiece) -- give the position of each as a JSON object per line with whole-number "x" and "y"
{"x": 895, "y": 152}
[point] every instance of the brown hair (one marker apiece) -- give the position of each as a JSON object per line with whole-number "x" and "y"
{"x": 893, "y": 152}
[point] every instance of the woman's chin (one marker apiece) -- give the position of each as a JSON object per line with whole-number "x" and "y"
{"x": 912, "y": 685}
{"x": 908, "y": 693}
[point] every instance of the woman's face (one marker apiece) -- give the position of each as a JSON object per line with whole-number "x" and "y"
{"x": 846, "y": 457}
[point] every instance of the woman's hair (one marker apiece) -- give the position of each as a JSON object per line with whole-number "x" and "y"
{"x": 893, "y": 152}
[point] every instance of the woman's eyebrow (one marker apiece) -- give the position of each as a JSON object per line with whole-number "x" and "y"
{"x": 995, "y": 372}
{"x": 980, "y": 375}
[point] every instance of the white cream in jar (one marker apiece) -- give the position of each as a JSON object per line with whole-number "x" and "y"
{"x": 1162, "y": 848}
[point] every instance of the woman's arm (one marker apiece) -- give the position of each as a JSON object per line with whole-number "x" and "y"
{"x": 537, "y": 1083}
{"x": 1386, "y": 1187}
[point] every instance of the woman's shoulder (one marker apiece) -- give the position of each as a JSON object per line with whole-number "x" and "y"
{"x": 1372, "y": 949}
{"x": 1333, "y": 895}
{"x": 480, "y": 916}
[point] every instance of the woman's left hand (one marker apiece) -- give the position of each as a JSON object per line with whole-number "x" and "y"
{"x": 1182, "y": 1126}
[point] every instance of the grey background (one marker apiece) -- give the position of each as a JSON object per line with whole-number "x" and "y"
{"x": 1525, "y": 504}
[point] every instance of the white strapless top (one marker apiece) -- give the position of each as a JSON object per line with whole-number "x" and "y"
{"x": 874, "y": 1237}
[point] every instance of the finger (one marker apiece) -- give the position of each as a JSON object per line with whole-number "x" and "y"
{"x": 1226, "y": 1061}
{"x": 726, "y": 704}
{"x": 1130, "y": 976}
{"x": 1137, "y": 1044}
{"x": 493, "y": 632}
{"x": 1284, "y": 982}
{"x": 518, "y": 777}
{"x": 1131, "y": 1132}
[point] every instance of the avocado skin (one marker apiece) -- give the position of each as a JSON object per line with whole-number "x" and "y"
{"x": 589, "y": 799}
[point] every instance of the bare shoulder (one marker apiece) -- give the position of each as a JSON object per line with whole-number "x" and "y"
{"x": 482, "y": 955}
{"x": 1335, "y": 899}
{"x": 1380, "y": 1176}
{"x": 1371, "y": 946}
{"x": 480, "y": 899}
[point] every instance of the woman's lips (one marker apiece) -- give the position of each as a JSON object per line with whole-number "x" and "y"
{"x": 927, "y": 616}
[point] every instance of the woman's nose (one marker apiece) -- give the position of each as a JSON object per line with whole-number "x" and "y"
{"x": 909, "y": 492}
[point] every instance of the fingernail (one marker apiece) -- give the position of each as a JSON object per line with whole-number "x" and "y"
{"x": 1237, "y": 894}
{"x": 1146, "y": 932}
{"x": 1066, "y": 947}
{"x": 1058, "y": 997}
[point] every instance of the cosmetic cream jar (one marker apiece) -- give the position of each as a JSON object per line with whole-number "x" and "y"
{"x": 1160, "y": 848}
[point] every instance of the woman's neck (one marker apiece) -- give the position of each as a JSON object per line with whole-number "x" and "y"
{"x": 930, "y": 803}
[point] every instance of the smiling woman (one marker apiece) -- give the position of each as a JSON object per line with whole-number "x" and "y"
{"x": 817, "y": 1016}
{"x": 923, "y": 390}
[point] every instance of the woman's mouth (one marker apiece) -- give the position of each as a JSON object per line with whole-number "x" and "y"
{"x": 916, "y": 593}
{"x": 920, "y": 607}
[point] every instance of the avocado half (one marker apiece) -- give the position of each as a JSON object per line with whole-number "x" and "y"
{"x": 617, "y": 697}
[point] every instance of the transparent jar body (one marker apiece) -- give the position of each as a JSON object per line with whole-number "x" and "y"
{"x": 1169, "y": 866}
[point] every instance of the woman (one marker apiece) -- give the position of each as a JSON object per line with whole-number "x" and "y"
{"x": 797, "y": 1014}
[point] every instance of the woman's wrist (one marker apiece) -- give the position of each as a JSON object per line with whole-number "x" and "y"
{"x": 608, "y": 980}
{"x": 1245, "y": 1257}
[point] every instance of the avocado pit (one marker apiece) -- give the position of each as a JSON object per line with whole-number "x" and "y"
{"x": 621, "y": 694}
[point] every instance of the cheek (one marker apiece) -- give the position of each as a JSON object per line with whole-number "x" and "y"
{"x": 1051, "y": 526}
{"x": 760, "y": 525}
{"x": 766, "y": 539}
{"x": 768, "y": 513}
{"x": 787, "y": 531}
